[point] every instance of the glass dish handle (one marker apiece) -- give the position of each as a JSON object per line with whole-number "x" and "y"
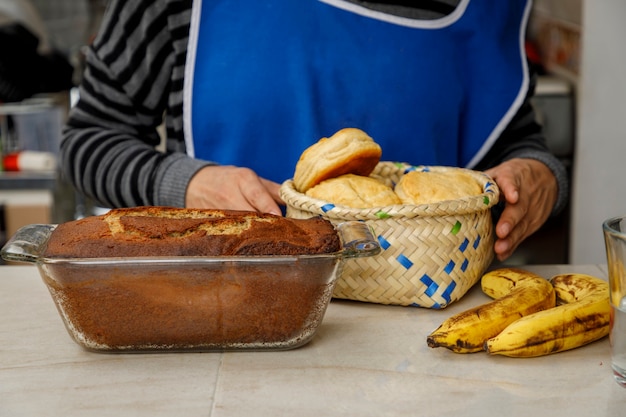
{"x": 28, "y": 243}
{"x": 358, "y": 239}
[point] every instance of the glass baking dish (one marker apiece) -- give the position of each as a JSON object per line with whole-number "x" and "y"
{"x": 178, "y": 303}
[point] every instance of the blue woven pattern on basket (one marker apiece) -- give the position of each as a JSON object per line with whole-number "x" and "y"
{"x": 404, "y": 261}
{"x": 384, "y": 243}
{"x": 431, "y": 286}
{"x": 431, "y": 289}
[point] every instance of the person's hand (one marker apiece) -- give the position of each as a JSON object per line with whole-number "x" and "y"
{"x": 529, "y": 190}
{"x": 232, "y": 188}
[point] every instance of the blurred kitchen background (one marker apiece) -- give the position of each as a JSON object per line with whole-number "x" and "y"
{"x": 576, "y": 45}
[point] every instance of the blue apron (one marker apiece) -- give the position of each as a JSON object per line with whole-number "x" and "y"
{"x": 266, "y": 79}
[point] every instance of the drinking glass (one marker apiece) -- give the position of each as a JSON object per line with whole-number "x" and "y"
{"x": 614, "y": 230}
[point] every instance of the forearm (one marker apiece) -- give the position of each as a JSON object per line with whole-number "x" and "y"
{"x": 118, "y": 170}
{"x": 108, "y": 149}
{"x": 109, "y": 144}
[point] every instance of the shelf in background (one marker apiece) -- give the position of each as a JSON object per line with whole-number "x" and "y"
{"x": 28, "y": 180}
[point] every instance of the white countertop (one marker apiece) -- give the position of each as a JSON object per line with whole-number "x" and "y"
{"x": 365, "y": 360}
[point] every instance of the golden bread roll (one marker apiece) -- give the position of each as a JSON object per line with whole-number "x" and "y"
{"x": 349, "y": 151}
{"x": 417, "y": 187}
{"x": 354, "y": 191}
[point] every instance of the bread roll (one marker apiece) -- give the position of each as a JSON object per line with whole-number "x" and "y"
{"x": 168, "y": 231}
{"x": 355, "y": 191}
{"x": 426, "y": 187}
{"x": 349, "y": 151}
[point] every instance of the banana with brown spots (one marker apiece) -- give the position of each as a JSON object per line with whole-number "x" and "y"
{"x": 517, "y": 293}
{"x": 582, "y": 315}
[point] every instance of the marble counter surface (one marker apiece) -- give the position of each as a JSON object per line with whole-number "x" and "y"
{"x": 365, "y": 360}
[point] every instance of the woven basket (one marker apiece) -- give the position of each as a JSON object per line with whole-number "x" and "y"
{"x": 432, "y": 253}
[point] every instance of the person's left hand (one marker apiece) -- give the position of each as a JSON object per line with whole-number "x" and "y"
{"x": 529, "y": 190}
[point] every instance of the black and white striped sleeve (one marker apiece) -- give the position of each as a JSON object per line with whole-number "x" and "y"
{"x": 109, "y": 143}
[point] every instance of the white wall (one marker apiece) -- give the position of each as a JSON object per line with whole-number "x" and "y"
{"x": 599, "y": 184}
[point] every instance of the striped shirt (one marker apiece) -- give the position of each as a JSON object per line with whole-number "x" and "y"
{"x": 133, "y": 82}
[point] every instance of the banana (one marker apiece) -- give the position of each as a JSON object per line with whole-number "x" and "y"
{"x": 581, "y": 316}
{"x": 517, "y": 292}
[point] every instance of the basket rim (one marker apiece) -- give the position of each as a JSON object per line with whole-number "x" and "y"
{"x": 465, "y": 205}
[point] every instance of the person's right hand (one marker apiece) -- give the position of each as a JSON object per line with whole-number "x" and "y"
{"x": 232, "y": 188}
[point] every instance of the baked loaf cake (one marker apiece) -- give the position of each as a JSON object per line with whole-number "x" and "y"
{"x": 167, "y": 231}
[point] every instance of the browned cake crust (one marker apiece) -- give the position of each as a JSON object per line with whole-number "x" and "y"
{"x": 167, "y": 231}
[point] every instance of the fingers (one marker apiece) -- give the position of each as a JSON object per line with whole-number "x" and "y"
{"x": 529, "y": 191}
{"x": 274, "y": 189}
{"x": 508, "y": 237}
{"x": 510, "y": 229}
{"x": 508, "y": 182}
{"x": 232, "y": 188}
{"x": 260, "y": 194}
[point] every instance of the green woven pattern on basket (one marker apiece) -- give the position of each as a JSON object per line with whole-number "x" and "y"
{"x": 432, "y": 254}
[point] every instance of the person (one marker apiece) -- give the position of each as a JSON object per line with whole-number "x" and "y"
{"x": 244, "y": 87}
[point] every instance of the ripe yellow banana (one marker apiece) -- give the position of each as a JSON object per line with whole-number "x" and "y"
{"x": 581, "y": 316}
{"x": 519, "y": 293}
